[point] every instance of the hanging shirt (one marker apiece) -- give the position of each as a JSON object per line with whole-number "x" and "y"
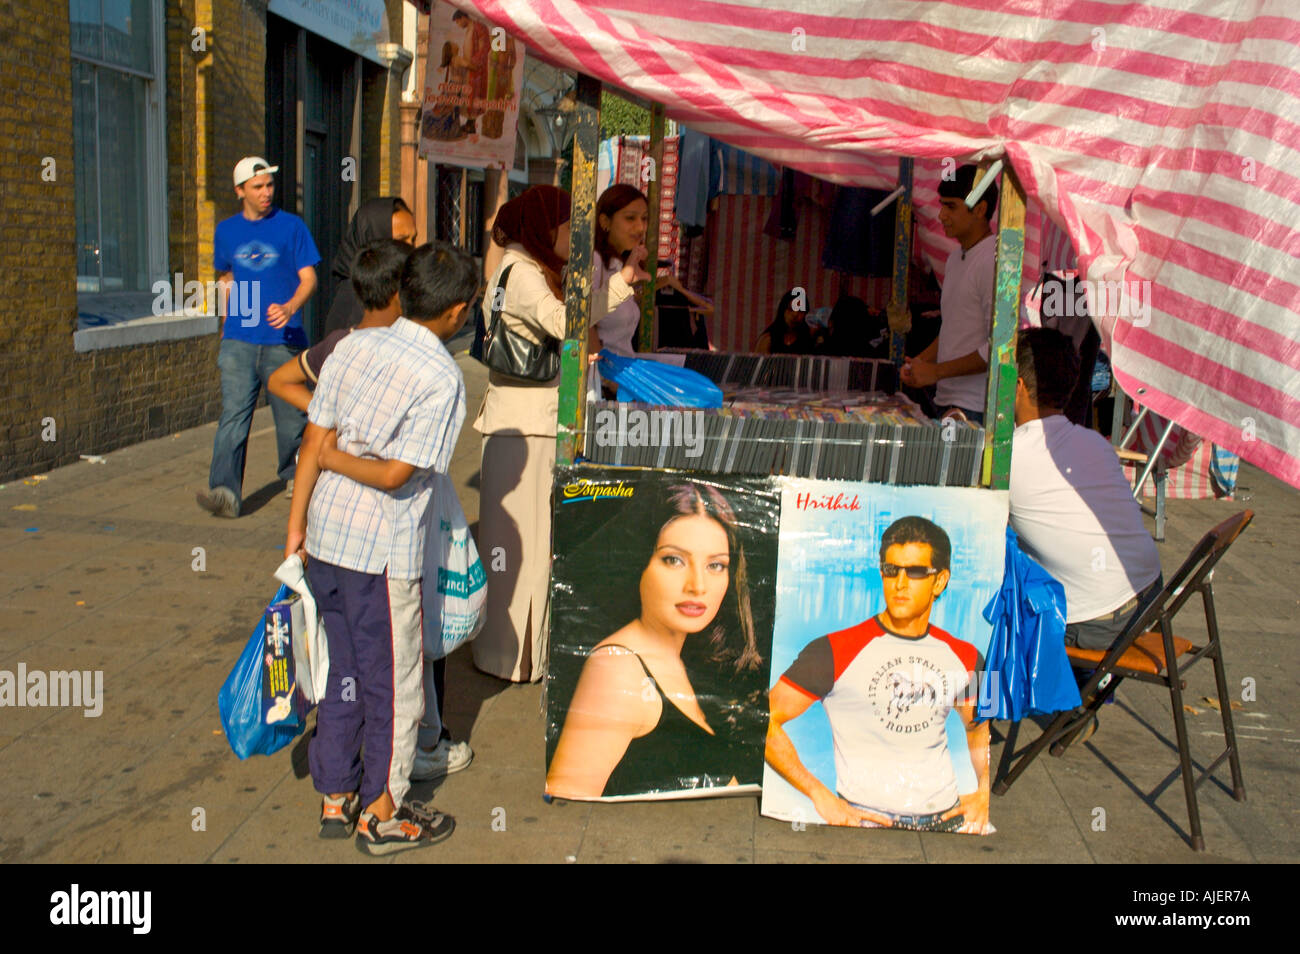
{"x": 967, "y": 307}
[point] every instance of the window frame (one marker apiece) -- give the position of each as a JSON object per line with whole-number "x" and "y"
{"x": 154, "y": 151}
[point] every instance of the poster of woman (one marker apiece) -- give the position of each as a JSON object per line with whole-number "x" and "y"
{"x": 474, "y": 76}
{"x": 878, "y": 646}
{"x": 661, "y": 619}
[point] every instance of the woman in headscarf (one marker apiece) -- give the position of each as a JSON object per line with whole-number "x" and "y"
{"x": 387, "y": 217}
{"x": 517, "y": 421}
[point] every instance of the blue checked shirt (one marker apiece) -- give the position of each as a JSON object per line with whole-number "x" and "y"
{"x": 393, "y": 394}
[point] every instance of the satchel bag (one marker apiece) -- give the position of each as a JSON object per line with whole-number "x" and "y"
{"x": 514, "y": 355}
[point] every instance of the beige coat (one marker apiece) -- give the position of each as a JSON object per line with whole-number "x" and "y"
{"x": 518, "y": 424}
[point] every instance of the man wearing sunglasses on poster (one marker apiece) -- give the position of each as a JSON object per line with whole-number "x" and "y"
{"x": 887, "y": 685}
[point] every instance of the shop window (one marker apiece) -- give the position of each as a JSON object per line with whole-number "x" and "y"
{"x": 118, "y": 150}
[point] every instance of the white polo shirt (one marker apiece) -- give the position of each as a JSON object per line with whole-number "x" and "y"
{"x": 1076, "y": 517}
{"x": 967, "y": 306}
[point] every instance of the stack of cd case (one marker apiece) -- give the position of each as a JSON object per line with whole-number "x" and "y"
{"x": 805, "y": 372}
{"x": 837, "y": 435}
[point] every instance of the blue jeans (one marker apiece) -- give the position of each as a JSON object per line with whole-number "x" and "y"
{"x": 245, "y": 369}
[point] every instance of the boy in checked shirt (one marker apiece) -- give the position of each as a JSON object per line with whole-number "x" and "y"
{"x": 383, "y": 421}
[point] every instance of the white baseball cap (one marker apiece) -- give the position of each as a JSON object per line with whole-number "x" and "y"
{"x": 251, "y": 166}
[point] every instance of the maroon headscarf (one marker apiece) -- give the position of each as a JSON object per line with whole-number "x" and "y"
{"x": 531, "y": 219}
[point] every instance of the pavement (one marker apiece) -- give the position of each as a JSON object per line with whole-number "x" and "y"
{"x": 111, "y": 566}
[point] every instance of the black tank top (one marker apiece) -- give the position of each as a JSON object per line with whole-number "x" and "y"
{"x": 676, "y": 755}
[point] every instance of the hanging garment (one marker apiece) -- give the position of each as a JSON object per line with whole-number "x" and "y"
{"x": 1026, "y": 671}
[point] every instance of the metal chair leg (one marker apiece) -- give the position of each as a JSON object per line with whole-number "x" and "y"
{"x": 1184, "y": 745}
{"x": 1225, "y": 701}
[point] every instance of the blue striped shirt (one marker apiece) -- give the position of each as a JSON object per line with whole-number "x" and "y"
{"x": 392, "y": 394}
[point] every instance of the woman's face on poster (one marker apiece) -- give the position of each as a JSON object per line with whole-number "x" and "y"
{"x": 686, "y": 580}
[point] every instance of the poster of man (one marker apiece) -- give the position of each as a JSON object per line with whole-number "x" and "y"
{"x": 878, "y": 645}
{"x": 661, "y": 622}
{"x": 473, "y": 80}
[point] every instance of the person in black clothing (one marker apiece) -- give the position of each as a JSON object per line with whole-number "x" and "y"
{"x": 387, "y": 217}
{"x": 655, "y": 705}
{"x": 855, "y": 331}
{"x": 788, "y": 333}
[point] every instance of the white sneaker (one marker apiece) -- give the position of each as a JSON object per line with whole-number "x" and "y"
{"x": 288, "y": 490}
{"x": 447, "y": 758}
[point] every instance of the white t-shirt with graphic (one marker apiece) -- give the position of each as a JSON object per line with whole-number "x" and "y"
{"x": 887, "y": 698}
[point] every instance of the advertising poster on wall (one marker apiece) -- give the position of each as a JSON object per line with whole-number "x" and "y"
{"x": 473, "y": 79}
{"x": 663, "y": 588}
{"x": 877, "y": 645}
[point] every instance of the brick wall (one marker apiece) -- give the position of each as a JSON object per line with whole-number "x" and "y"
{"x": 103, "y": 400}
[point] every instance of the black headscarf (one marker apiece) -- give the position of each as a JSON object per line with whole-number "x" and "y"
{"x": 374, "y": 220}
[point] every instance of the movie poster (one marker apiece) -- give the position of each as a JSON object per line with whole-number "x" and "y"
{"x": 878, "y": 643}
{"x": 663, "y": 587}
{"x": 473, "y": 79}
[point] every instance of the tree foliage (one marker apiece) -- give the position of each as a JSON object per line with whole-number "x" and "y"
{"x": 618, "y": 117}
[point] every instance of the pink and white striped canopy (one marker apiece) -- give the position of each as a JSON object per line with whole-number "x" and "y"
{"x": 1163, "y": 138}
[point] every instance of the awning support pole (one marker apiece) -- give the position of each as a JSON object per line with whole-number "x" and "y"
{"x": 577, "y": 283}
{"x": 999, "y": 412}
{"x": 902, "y": 256}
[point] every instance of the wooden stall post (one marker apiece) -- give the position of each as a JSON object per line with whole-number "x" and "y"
{"x": 999, "y": 412}
{"x": 585, "y": 121}
{"x": 902, "y": 257}
{"x": 653, "y": 191}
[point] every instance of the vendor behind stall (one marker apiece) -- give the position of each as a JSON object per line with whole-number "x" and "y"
{"x": 957, "y": 361}
{"x": 788, "y": 333}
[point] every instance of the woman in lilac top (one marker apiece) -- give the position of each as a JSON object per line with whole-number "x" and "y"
{"x": 622, "y": 217}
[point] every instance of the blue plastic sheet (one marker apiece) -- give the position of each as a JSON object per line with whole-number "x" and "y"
{"x": 240, "y": 699}
{"x": 653, "y": 382}
{"x": 1026, "y": 669}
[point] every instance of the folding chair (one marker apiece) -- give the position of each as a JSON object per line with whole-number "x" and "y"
{"x": 1148, "y": 650}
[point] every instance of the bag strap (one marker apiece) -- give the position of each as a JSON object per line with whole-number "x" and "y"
{"x": 496, "y": 294}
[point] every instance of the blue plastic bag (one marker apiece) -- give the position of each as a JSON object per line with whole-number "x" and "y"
{"x": 653, "y": 382}
{"x": 240, "y": 699}
{"x": 1026, "y": 670}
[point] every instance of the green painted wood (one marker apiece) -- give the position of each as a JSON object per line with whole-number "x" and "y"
{"x": 902, "y": 255}
{"x": 999, "y": 413}
{"x": 653, "y": 191}
{"x": 577, "y": 283}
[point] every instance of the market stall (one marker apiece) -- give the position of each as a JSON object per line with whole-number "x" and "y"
{"x": 796, "y": 494}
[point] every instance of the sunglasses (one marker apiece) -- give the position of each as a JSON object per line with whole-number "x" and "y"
{"x": 890, "y": 571}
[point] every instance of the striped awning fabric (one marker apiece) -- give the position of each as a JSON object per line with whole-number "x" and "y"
{"x": 1163, "y": 138}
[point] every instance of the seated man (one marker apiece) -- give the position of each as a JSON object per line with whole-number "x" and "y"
{"x": 1071, "y": 505}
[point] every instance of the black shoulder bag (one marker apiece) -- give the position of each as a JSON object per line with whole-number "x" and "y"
{"x": 514, "y": 355}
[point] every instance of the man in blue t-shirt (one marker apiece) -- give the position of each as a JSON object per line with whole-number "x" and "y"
{"x": 266, "y": 268}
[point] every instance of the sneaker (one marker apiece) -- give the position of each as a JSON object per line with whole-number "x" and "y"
{"x": 446, "y": 758}
{"x": 288, "y": 490}
{"x": 219, "y": 501}
{"x": 406, "y": 829}
{"x": 338, "y": 816}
